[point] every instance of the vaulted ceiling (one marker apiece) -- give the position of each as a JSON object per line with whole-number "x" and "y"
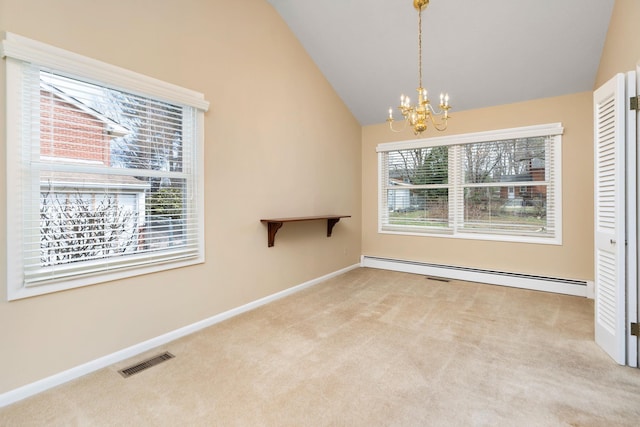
{"x": 483, "y": 53}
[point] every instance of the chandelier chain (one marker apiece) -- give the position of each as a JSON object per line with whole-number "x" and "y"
{"x": 420, "y": 47}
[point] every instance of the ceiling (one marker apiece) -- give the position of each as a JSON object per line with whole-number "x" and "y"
{"x": 483, "y": 53}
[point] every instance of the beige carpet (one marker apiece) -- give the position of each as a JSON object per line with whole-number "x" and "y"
{"x": 369, "y": 348}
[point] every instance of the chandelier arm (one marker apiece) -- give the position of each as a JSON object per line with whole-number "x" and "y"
{"x": 397, "y": 130}
{"x": 438, "y": 112}
{"x": 439, "y": 126}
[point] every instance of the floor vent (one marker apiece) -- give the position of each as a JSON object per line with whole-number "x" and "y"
{"x": 438, "y": 279}
{"x": 155, "y": 360}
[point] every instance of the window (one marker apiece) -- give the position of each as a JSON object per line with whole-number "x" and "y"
{"x": 104, "y": 170}
{"x": 502, "y": 185}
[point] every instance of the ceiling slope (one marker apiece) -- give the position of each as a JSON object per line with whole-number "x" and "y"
{"x": 483, "y": 53}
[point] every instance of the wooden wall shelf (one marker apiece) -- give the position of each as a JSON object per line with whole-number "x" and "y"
{"x": 274, "y": 224}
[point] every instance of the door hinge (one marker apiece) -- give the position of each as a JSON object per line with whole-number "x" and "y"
{"x": 635, "y": 329}
{"x": 633, "y": 103}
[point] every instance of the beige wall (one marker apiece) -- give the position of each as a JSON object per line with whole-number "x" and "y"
{"x": 622, "y": 47}
{"x": 279, "y": 142}
{"x": 573, "y": 259}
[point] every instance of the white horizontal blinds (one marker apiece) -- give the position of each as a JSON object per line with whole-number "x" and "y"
{"x": 416, "y": 189}
{"x": 456, "y": 201}
{"x": 506, "y": 186}
{"x": 551, "y": 180}
{"x": 109, "y": 179}
{"x": 496, "y": 185}
{"x": 383, "y": 185}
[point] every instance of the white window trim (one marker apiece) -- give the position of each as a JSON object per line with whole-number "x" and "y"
{"x": 15, "y": 50}
{"x": 92, "y": 70}
{"x": 552, "y": 129}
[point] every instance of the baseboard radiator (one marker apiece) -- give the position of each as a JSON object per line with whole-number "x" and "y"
{"x": 526, "y": 281}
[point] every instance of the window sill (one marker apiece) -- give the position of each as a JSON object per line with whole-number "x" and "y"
{"x": 477, "y": 236}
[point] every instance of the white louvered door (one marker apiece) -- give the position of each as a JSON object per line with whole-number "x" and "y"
{"x": 610, "y": 265}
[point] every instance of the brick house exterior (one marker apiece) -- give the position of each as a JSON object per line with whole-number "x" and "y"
{"x": 529, "y": 192}
{"x": 83, "y": 137}
{"x": 70, "y": 130}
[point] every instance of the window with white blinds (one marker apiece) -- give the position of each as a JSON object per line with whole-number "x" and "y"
{"x": 107, "y": 176}
{"x": 502, "y": 185}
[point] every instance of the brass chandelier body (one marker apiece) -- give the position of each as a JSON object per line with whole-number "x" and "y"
{"x": 420, "y": 115}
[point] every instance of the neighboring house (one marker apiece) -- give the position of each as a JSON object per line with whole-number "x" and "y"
{"x": 73, "y": 133}
{"x": 399, "y": 200}
{"x": 535, "y": 173}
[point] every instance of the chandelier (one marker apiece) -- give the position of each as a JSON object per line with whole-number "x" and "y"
{"x": 419, "y": 115}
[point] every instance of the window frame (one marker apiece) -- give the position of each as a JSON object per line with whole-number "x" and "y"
{"x": 16, "y": 51}
{"x": 457, "y": 185}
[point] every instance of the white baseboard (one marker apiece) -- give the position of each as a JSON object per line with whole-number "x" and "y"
{"x": 34, "y": 388}
{"x": 515, "y": 280}
{"x": 591, "y": 289}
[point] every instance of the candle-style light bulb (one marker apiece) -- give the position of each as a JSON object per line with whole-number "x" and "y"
{"x": 390, "y": 113}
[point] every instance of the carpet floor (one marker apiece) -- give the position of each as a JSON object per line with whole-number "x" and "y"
{"x": 368, "y": 348}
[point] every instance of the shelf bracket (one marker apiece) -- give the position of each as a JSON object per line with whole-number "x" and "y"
{"x": 330, "y": 223}
{"x": 273, "y": 227}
